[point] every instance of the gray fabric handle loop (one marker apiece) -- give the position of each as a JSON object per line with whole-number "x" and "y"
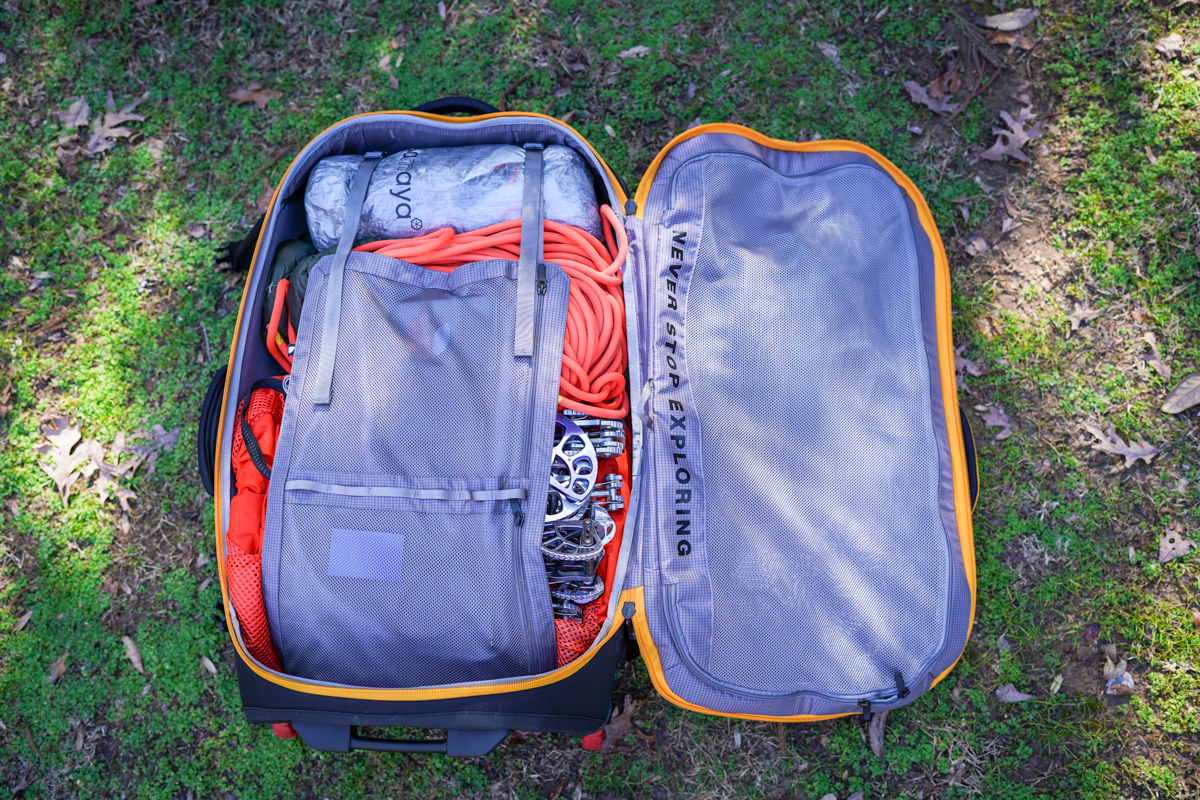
{"x": 333, "y": 292}
{"x": 531, "y": 250}
{"x": 478, "y": 496}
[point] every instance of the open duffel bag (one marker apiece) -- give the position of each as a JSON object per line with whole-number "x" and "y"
{"x": 790, "y": 538}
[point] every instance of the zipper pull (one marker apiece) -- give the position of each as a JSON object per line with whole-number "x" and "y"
{"x": 541, "y": 277}
{"x": 865, "y": 705}
{"x": 901, "y": 690}
{"x": 518, "y": 514}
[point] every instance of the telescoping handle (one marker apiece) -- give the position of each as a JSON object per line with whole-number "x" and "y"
{"x": 344, "y": 738}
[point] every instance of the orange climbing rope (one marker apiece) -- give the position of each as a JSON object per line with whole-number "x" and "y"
{"x": 594, "y": 352}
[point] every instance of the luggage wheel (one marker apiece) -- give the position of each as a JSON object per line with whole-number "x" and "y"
{"x": 344, "y": 738}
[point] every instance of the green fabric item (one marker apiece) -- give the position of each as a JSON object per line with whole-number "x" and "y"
{"x": 289, "y": 254}
{"x": 298, "y": 283}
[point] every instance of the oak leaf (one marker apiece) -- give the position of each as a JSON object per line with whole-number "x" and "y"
{"x": 1183, "y": 396}
{"x": 133, "y": 654}
{"x": 920, "y": 94}
{"x": 66, "y": 458}
{"x": 1009, "y": 142}
{"x": 1170, "y": 46}
{"x": 58, "y": 668}
{"x": 77, "y": 114}
{"x": 1172, "y": 545}
{"x": 1081, "y": 314}
{"x": 1111, "y": 443}
{"x": 1155, "y": 358}
{"x": 1009, "y": 694}
{"x": 622, "y": 725}
{"x": 875, "y": 732}
{"x": 1010, "y": 20}
{"x": 1015, "y": 40}
{"x": 830, "y": 51}
{"x": 254, "y": 93}
{"x": 112, "y": 126}
{"x": 996, "y": 418}
{"x": 635, "y": 52}
{"x": 23, "y": 621}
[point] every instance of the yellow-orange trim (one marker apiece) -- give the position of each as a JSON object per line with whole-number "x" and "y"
{"x": 958, "y": 456}
{"x": 363, "y": 693}
{"x": 654, "y": 665}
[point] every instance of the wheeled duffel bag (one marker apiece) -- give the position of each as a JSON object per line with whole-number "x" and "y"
{"x": 718, "y": 419}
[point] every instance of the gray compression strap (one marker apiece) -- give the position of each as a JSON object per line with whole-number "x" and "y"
{"x": 333, "y": 292}
{"x": 531, "y": 249}
{"x": 479, "y": 496}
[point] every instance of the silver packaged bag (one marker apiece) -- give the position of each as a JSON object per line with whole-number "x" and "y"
{"x": 420, "y": 190}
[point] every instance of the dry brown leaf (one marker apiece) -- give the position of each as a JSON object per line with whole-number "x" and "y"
{"x": 1010, "y": 20}
{"x": 1010, "y": 209}
{"x": 919, "y": 94}
{"x": 263, "y": 201}
{"x": 1196, "y": 617}
{"x": 58, "y": 668}
{"x": 974, "y": 245}
{"x": 996, "y": 418}
{"x": 133, "y": 654}
{"x": 946, "y": 85}
{"x": 830, "y": 51}
{"x": 1009, "y": 694}
{"x": 112, "y": 125}
{"x": 609, "y": 130}
{"x": 23, "y": 621}
{"x": 635, "y": 52}
{"x": 566, "y": 118}
{"x": 155, "y": 148}
{"x": 963, "y": 364}
{"x": 143, "y": 4}
{"x": 1082, "y": 314}
{"x": 1091, "y": 633}
{"x": 1172, "y": 545}
{"x": 63, "y": 468}
{"x": 857, "y": 795}
{"x": 1056, "y": 684}
{"x": 1183, "y": 396}
{"x": 622, "y": 725}
{"x": 1170, "y": 46}
{"x": 441, "y": 9}
{"x": 207, "y": 664}
{"x": 913, "y": 127}
{"x": 195, "y": 230}
{"x": 1009, "y": 142}
{"x": 963, "y": 202}
{"x": 254, "y": 94}
{"x": 1155, "y": 358}
{"x": 77, "y": 114}
{"x": 1015, "y": 40}
{"x": 875, "y": 731}
{"x": 1111, "y": 443}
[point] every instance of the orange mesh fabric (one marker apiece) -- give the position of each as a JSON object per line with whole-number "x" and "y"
{"x": 245, "y": 590}
{"x": 576, "y": 635}
{"x": 243, "y": 541}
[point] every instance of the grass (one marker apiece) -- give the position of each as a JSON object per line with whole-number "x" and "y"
{"x": 130, "y": 318}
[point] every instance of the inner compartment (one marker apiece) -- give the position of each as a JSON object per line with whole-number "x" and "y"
{"x": 397, "y": 133}
{"x": 802, "y": 548}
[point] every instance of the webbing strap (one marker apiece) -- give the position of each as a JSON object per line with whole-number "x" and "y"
{"x": 531, "y": 250}
{"x": 333, "y": 292}
{"x": 252, "y": 448}
{"x": 479, "y": 496}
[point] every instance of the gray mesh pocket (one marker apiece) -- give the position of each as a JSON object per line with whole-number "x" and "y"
{"x": 797, "y": 469}
{"x": 390, "y": 554}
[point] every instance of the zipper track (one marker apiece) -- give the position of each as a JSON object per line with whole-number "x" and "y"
{"x": 520, "y": 532}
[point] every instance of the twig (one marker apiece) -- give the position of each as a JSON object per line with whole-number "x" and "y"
{"x": 975, "y": 94}
{"x": 262, "y": 171}
{"x": 512, "y": 87}
{"x": 29, "y": 736}
{"x": 206, "y": 348}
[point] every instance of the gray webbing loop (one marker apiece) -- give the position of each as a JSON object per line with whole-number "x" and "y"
{"x": 333, "y": 291}
{"x": 531, "y": 250}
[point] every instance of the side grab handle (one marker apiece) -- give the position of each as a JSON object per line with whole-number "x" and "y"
{"x": 344, "y": 738}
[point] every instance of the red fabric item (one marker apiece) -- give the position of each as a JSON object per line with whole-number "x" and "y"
{"x": 575, "y": 636}
{"x": 243, "y": 560}
{"x": 594, "y": 741}
{"x": 284, "y": 730}
{"x": 245, "y": 590}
